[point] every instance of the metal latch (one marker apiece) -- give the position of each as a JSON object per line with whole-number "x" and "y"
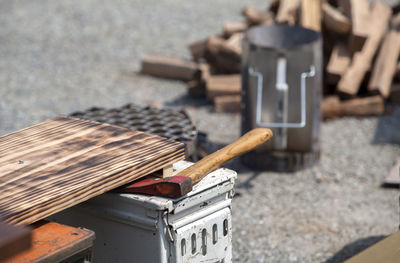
{"x": 167, "y": 226}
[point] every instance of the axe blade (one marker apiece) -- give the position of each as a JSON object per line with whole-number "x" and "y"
{"x": 172, "y": 187}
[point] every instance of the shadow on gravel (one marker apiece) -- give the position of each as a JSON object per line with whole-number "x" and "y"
{"x": 354, "y": 248}
{"x": 388, "y": 128}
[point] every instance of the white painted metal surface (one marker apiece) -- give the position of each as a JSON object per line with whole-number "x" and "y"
{"x": 140, "y": 228}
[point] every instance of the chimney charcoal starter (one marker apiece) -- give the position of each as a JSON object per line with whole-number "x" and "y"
{"x": 281, "y": 90}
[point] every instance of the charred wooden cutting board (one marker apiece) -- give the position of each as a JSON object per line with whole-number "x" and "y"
{"x": 64, "y": 161}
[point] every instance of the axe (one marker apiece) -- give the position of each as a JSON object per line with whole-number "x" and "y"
{"x": 182, "y": 183}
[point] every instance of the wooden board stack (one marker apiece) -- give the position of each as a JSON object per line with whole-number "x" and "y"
{"x": 61, "y": 162}
{"x": 361, "y": 54}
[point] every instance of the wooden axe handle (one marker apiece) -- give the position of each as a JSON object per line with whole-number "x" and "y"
{"x": 247, "y": 142}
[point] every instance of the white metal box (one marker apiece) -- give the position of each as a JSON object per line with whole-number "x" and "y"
{"x": 140, "y": 228}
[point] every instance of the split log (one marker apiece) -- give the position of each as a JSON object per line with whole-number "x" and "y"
{"x": 227, "y": 103}
{"x": 311, "y": 14}
{"x": 334, "y": 20}
{"x": 338, "y": 63}
{"x": 198, "y": 49}
{"x": 332, "y": 107}
{"x": 221, "y": 85}
{"x": 256, "y": 17}
{"x": 359, "y": 13}
{"x": 169, "y": 67}
{"x": 224, "y": 57}
{"x": 197, "y": 87}
{"x": 231, "y": 28}
{"x": 385, "y": 65}
{"x": 287, "y": 12}
{"x": 350, "y": 82}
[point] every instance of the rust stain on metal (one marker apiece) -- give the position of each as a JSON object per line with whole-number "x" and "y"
{"x": 53, "y": 240}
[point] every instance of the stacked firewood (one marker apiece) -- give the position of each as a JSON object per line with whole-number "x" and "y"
{"x": 361, "y": 46}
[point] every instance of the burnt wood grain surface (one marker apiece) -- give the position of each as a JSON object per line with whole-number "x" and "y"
{"x": 63, "y": 161}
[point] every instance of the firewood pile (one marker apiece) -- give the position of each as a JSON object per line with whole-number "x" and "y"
{"x": 361, "y": 46}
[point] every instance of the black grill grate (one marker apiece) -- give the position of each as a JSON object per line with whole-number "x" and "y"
{"x": 169, "y": 123}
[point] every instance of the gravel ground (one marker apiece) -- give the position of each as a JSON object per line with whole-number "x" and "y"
{"x": 62, "y": 56}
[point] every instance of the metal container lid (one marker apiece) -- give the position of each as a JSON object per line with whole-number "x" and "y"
{"x": 280, "y": 36}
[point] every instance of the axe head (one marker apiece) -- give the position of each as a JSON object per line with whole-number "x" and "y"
{"x": 172, "y": 187}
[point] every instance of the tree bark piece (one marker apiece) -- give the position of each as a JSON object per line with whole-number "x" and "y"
{"x": 221, "y": 85}
{"x": 338, "y": 63}
{"x": 385, "y": 65}
{"x": 169, "y": 67}
{"x": 287, "y": 11}
{"x": 227, "y": 103}
{"x": 256, "y": 17}
{"x": 350, "y": 82}
{"x": 332, "y": 107}
{"x": 311, "y": 14}
{"x": 231, "y": 28}
{"x": 334, "y": 20}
